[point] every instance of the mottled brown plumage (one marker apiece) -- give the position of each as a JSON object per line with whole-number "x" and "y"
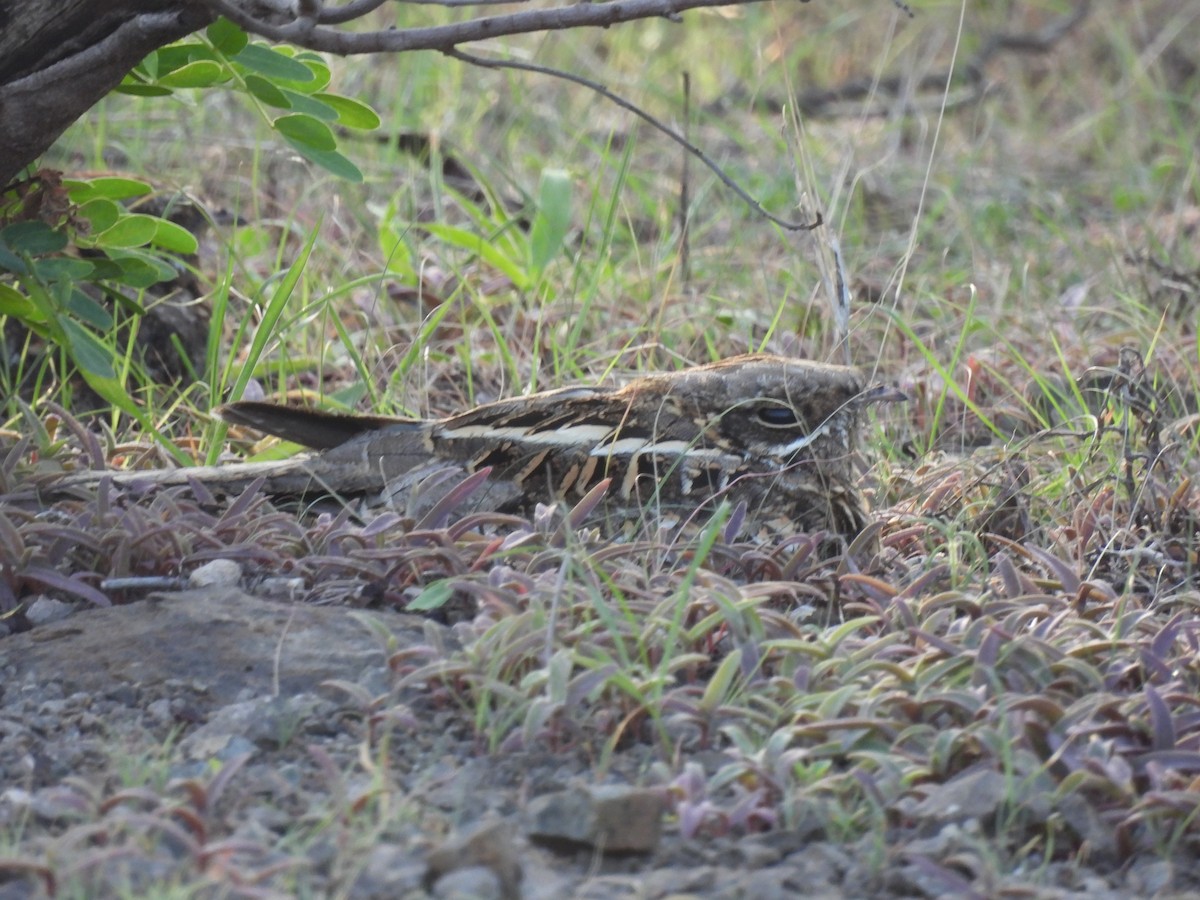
{"x": 774, "y": 433}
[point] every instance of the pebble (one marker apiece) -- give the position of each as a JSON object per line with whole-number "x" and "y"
{"x": 217, "y": 573}
{"x": 488, "y": 846}
{"x": 611, "y": 818}
{"x": 44, "y": 610}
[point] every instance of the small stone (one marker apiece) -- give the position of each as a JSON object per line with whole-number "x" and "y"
{"x": 215, "y": 742}
{"x": 948, "y": 839}
{"x": 680, "y": 883}
{"x": 768, "y": 884}
{"x": 489, "y": 846}
{"x": 821, "y": 864}
{"x": 122, "y": 694}
{"x": 757, "y": 855}
{"x": 46, "y": 609}
{"x": 1150, "y": 878}
{"x": 218, "y": 573}
{"x": 390, "y": 871}
{"x": 60, "y": 804}
{"x": 611, "y": 818}
{"x": 268, "y": 722}
{"x": 52, "y": 708}
{"x": 472, "y": 883}
{"x": 18, "y": 798}
{"x": 279, "y": 587}
{"x": 159, "y": 711}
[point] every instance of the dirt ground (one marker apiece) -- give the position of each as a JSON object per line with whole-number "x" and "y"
{"x": 333, "y": 782}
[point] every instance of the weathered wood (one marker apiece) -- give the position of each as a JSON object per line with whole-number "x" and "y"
{"x": 58, "y": 58}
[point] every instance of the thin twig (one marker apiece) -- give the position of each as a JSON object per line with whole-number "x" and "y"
{"x": 684, "y": 187}
{"x": 841, "y": 301}
{"x": 644, "y": 116}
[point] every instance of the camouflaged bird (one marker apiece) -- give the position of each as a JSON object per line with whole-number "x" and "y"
{"x": 775, "y": 433}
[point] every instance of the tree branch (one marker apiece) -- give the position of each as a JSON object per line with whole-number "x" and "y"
{"x": 304, "y": 31}
{"x": 38, "y": 102}
{"x": 446, "y": 37}
{"x": 352, "y": 10}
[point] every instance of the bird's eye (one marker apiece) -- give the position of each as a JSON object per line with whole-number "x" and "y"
{"x": 777, "y": 416}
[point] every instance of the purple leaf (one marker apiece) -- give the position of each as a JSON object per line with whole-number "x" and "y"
{"x": 1010, "y": 576}
{"x": 590, "y": 501}
{"x": 737, "y": 519}
{"x": 52, "y": 580}
{"x": 1163, "y": 641}
{"x": 201, "y": 492}
{"x": 380, "y": 524}
{"x": 986, "y": 655}
{"x": 583, "y": 684}
{"x": 455, "y": 497}
{"x": 1067, "y": 577}
{"x": 1162, "y": 730}
{"x": 239, "y": 507}
{"x": 1177, "y": 760}
{"x": 925, "y": 582}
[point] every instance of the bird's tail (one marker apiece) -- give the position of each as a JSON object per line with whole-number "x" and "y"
{"x": 312, "y": 428}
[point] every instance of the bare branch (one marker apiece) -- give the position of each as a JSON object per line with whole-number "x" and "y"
{"x": 308, "y": 14}
{"x": 454, "y": 3}
{"x": 303, "y": 32}
{"x": 445, "y": 37}
{"x": 646, "y": 117}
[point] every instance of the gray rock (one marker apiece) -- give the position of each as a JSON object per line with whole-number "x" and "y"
{"x": 1150, "y": 877}
{"x": 266, "y": 722}
{"x": 472, "y": 883}
{"x": 390, "y": 871}
{"x": 278, "y": 587}
{"x": 219, "y": 640}
{"x": 756, "y": 854}
{"x": 488, "y": 846}
{"x": 44, "y": 610}
{"x": 218, "y": 573}
{"x": 611, "y": 818}
{"x": 675, "y": 881}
